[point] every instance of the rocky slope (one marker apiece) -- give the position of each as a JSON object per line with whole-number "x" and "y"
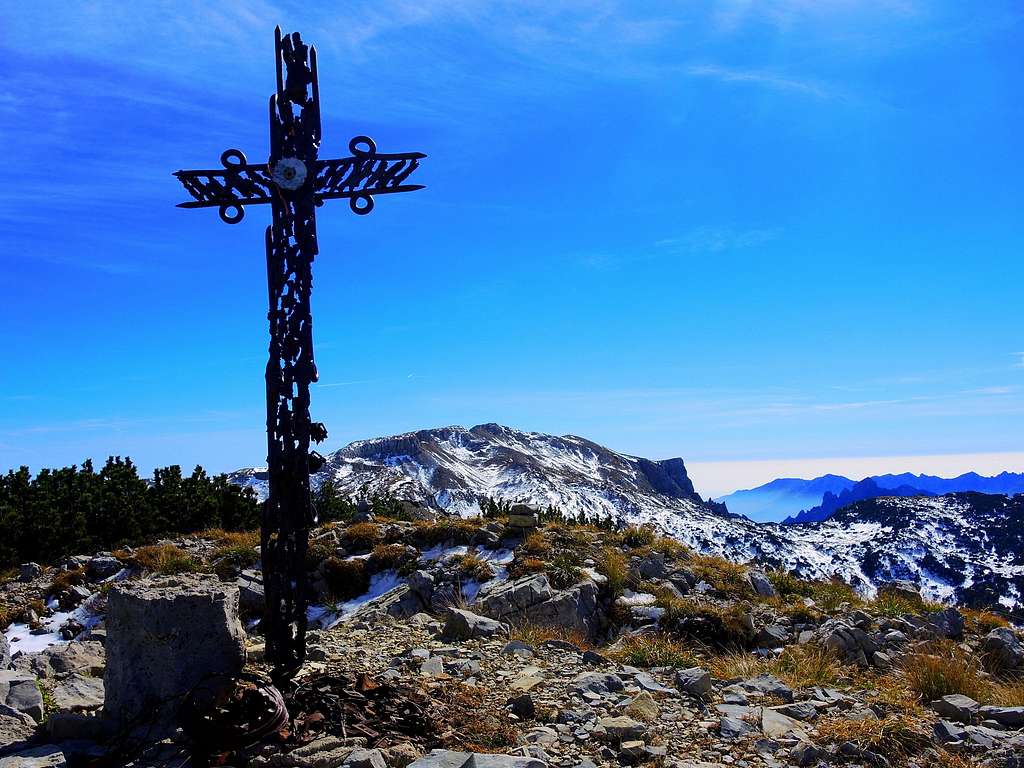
{"x": 950, "y": 545}
{"x": 472, "y": 643}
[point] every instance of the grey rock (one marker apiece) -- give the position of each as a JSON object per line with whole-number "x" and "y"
{"x": 165, "y": 635}
{"x": 956, "y": 707}
{"x": 5, "y": 652}
{"x": 20, "y": 692}
{"x": 76, "y": 692}
{"x": 15, "y": 727}
{"x": 365, "y": 758}
{"x": 47, "y": 756}
{"x": 102, "y": 567}
{"x": 518, "y": 648}
{"x": 774, "y": 636}
{"x": 76, "y": 726}
{"x": 760, "y": 584}
{"x": 597, "y": 682}
{"x": 946, "y": 732}
{"x": 533, "y": 599}
{"x": 948, "y": 623}
{"x": 29, "y": 571}
{"x": 694, "y": 681}
{"x": 464, "y": 625}
{"x": 805, "y": 753}
{"x": 1004, "y": 648}
{"x": 86, "y": 656}
{"x": 652, "y": 566}
{"x": 900, "y": 588}
{"x": 648, "y": 683}
{"x": 1011, "y": 717}
{"x": 432, "y": 667}
{"x": 730, "y": 728}
{"x": 251, "y": 598}
{"x": 422, "y": 583}
{"x": 800, "y": 710}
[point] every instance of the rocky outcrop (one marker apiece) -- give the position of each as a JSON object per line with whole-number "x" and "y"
{"x": 533, "y": 599}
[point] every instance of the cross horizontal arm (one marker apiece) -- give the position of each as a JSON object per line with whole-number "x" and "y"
{"x": 358, "y": 178}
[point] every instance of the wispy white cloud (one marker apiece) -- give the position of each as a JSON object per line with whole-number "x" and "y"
{"x": 1020, "y": 360}
{"x": 763, "y": 78}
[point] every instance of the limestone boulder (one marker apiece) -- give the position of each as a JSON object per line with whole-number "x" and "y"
{"x": 164, "y": 635}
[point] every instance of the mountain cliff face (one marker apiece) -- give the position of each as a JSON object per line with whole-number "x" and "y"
{"x": 957, "y": 547}
{"x": 867, "y": 488}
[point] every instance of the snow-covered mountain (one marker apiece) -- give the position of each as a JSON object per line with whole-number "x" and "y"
{"x": 957, "y": 547}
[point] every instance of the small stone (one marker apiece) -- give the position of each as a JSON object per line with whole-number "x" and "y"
{"x": 733, "y": 728}
{"x": 465, "y": 625}
{"x": 643, "y": 708}
{"x": 365, "y": 758}
{"x": 805, "y": 753}
{"x": 1011, "y": 717}
{"x": 801, "y": 710}
{"x": 694, "y": 681}
{"x": 622, "y": 728}
{"x": 956, "y": 707}
{"x": 432, "y": 667}
{"x": 29, "y": 571}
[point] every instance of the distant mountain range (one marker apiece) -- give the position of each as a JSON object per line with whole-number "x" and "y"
{"x": 965, "y": 547}
{"x": 805, "y": 501}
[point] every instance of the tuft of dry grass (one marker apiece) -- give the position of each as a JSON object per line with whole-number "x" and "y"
{"x": 1007, "y": 693}
{"x": 670, "y": 548}
{"x": 385, "y": 557}
{"x": 832, "y": 594}
{"x": 345, "y": 579}
{"x": 788, "y": 585}
{"x": 979, "y": 622}
{"x": 454, "y": 529}
{"x": 526, "y": 566}
{"x": 800, "y": 666}
{"x": 468, "y": 720}
{"x": 653, "y": 650}
{"x": 612, "y": 564}
{"x": 362, "y": 535}
{"x": 940, "y": 669}
{"x": 897, "y": 737}
{"x": 66, "y": 579}
{"x": 724, "y": 575}
{"x": 473, "y": 567}
{"x": 165, "y": 559}
{"x": 535, "y": 545}
{"x": 231, "y": 538}
{"x": 564, "y": 571}
{"x": 536, "y": 634}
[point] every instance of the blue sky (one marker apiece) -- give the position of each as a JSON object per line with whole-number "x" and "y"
{"x": 743, "y": 233}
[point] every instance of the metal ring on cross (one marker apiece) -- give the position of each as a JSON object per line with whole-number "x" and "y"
{"x": 361, "y": 204}
{"x": 237, "y": 213}
{"x": 236, "y": 155}
{"x": 357, "y": 144}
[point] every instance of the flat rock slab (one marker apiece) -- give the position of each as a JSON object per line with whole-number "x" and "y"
{"x": 48, "y": 756}
{"x": 164, "y": 636}
{"x": 20, "y": 692}
{"x": 76, "y": 692}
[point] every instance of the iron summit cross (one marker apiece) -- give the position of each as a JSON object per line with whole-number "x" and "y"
{"x": 294, "y": 182}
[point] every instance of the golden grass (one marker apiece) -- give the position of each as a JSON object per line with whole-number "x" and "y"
{"x": 468, "y": 720}
{"x": 536, "y": 634}
{"x": 830, "y": 595}
{"x": 165, "y": 559}
{"x": 788, "y": 584}
{"x": 942, "y": 669}
{"x": 472, "y": 566}
{"x": 231, "y": 538}
{"x": 897, "y": 737}
{"x": 66, "y": 579}
{"x": 362, "y": 535}
{"x": 535, "y": 545}
{"x": 724, "y": 575}
{"x": 385, "y": 557}
{"x": 1007, "y": 693}
{"x": 345, "y": 579}
{"x": 526, "y": 566}
{"x": 454, "y": 529}
{"x": 981, "y": 622}
{"x": 800, "y": 666}
{"x": 653, "y": 650}
{"x": 614, "y": 566}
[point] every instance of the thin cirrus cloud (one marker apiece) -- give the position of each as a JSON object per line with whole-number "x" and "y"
{"x": 761, "y": 78}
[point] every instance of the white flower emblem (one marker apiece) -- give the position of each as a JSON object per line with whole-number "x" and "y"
{"x": 289, "y": 173}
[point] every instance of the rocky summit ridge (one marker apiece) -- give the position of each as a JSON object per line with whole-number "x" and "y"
{"x": 954, "y": 546}
{"x": 509, "y": 642}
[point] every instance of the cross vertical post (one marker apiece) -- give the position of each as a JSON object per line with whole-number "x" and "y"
{"x": 294, "y": 181}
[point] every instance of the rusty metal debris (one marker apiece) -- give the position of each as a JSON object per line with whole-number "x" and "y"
{"x": 294, "y": 181}
{"x": 356, "y": 706}
{"x": 224, "y": 714}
